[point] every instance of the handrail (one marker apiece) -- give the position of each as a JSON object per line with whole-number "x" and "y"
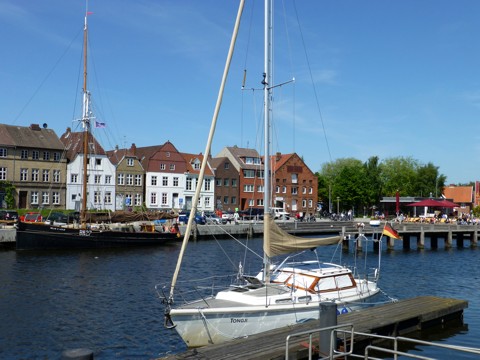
{"x": 334, "y": 353}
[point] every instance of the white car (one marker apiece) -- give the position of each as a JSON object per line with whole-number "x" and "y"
{"x": 279, "y": 213}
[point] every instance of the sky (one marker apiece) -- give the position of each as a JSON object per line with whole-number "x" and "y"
{"x": 371, "y": 78}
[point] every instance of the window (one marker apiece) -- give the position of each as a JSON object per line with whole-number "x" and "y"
{"x": 225, "y": 199}
{"x": 35, "y": 156}
{"x": 304, "y": 190}
{"x": 56, "y": 176}
{"x": 74, "y": 178}
{"x": 188, "y": 186}
{"x": 252, "y": 160}
{"x": 207, "y": 184}
{"x": 168, "y": 154}
{"x": 56, "y": 198}
{"x": 130, "y": 161}
{"x": 310, "y": 203}
{"x": 3, "y": 173}
{"x": 128, "y": 199}
{"x": 130, "y": 179}
{"x": 23, "y": 174}
{"x": 260, "y": 188}
{"x": 310, "y": 190}
{"x": 172, "y": 167}
{"x": 153, "y": 198}
{"x": 138, "y": 180}
{"x": 226, "y": 182}
{"x": 163, "y": 166}
{"x": 34, "y": 197}
{"x": 24, "y": 154}
{"x": 226, "y": 166}
{"x": 108, "y": 179}
{"x": 138, "y": 199}
{"x": 98, "y": 162}
{"x": 251, "y": 202}
{"x": 260, "y": 174}
{"x": 234, "y": 182}
{"x": 304, "y": 203}
{"x": 196, "y": 165}
{"x": 45, "y": 197}
{"x": 234, "y": 199}
{"x": 3, "y": 152}
{"x": 164, "y": 199}
{"x": 207, "y": 201}
{"x": 45, "y": 175}
{"x": 175, "y": 181}
{"x": 56, "y": 156}
{"x": 248, "y": 188}
{"x": 46, "y": 155}
{"x": 97, "y": 197}
{"x": 284, "y": 189}
{"x": 294, "y": 178}
{"x": 259, "y": 202}
{"x": 249, "y": 173}
{"x": 35, "y": 174}
{"x": 121, "y": 179}
{"x": 218, "y": 182}
{"x": 164, "y": 180}
{"x": 277, "y": 189}
{"x": 294, "y": 190}
{"x": 153, "y": 181}
{"x": 98, "y": 179}
{"x": 108, "y": 197}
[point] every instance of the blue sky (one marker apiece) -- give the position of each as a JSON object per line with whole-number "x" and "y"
{"x": 372, "y": 78}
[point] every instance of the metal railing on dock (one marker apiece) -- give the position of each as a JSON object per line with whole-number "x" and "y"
{"x": 349, "y": 338}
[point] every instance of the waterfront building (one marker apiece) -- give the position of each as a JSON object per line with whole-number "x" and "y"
{"x": 130, "y": 174}
{"x": 226, "y": 184}
{"x": 206, "y": 202}
{"x": 295, "y": 186}
{"x": 32, "y": 161}
{"x": 101, "y": 173}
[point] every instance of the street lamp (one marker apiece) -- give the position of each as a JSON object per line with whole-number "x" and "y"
{"x": 338, "y": 204}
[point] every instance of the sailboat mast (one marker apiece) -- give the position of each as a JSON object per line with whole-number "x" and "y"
{"x": 85, "y": 124}
{"x": 267, "y": 91}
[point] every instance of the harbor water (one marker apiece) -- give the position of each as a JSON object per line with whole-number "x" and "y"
{"x": 105, "y": 300}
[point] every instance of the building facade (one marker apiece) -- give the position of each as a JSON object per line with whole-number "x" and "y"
{"x": 32, "y": 160}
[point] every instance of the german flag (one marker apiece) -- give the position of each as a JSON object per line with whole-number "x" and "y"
{"x": 391, "y": 232}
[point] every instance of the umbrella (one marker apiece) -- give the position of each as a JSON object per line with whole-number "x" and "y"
{"x": 430, "y": 203}
{"x": 449, "y": 204}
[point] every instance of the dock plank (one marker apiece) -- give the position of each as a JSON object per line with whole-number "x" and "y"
{"x": 400, "y": 317}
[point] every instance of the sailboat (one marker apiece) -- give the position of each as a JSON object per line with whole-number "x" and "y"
{"x": 278, "y": 295}
{"x": 112, "y": 229}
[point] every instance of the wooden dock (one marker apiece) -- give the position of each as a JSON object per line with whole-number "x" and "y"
{"x": 392, "y": 319}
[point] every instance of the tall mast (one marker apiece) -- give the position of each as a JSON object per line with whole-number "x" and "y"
{"x": 85, "y": 124}
{"x": 267, "y": 91}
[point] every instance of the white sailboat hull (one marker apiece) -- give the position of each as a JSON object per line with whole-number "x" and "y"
{"x": 213, "y": 321}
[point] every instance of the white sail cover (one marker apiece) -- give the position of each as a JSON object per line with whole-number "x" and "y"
{"x": 280, "y": 242}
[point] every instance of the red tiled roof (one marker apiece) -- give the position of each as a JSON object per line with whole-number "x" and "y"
{"x": 459, "y": 194}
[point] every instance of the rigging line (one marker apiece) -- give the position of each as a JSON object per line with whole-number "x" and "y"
{"x": 311, "y": 79}
{"x": 46, "y": 78}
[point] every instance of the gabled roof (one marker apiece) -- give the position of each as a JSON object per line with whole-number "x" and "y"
{"x": 236, "y": 156}
{"x": 118, "y": 154}
{"x": 32, "y": 136}
{"x": 73, "y": 143}
{"x": 459, "y": 194}
{"x": 191, "y": 159}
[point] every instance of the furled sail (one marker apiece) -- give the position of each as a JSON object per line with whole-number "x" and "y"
{"x": 280, "y": 242}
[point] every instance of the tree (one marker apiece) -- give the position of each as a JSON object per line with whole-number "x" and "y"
{"x": 9, "y": 189}
{"x": 399, "y": 174}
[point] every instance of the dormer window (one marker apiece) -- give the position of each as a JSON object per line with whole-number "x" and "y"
{"x": 130, "y": 161}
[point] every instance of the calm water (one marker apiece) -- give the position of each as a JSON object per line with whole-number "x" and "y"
{"x": 105, "y": 300}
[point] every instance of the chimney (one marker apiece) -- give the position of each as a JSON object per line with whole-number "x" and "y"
{"x": 35, "y": 127}
{"x": 69, "y": 130}
{"x": 278, "y": 156}
{"x": 133, "y": 149}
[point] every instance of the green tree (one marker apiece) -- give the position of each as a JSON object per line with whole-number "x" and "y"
{"x": 9, "y": 189}
{"x": 399, "y": 174}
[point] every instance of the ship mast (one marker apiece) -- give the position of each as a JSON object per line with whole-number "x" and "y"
{"x": 86, "y": 125}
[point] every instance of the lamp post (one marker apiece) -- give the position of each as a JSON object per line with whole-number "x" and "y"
{"x": 338, "y": 204}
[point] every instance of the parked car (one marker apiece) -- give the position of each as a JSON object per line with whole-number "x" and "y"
{"x": 31, "y": 217}
{"x": 199, "y": 219}
{"x": 214, "y": 219}
{"x": 57, "y": 218}
{"x": 252, "y": 214}
{"x": 279, "y": 213}
{"x": 9, "y": 215}
{"x": 227, "y": 216}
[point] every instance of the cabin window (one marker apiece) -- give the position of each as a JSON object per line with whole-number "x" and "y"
{"x": 335, "y": 283}
{"x": 301, "y": 281}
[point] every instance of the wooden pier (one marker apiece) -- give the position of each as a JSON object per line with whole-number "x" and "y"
{"x": 393, "y": 319}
